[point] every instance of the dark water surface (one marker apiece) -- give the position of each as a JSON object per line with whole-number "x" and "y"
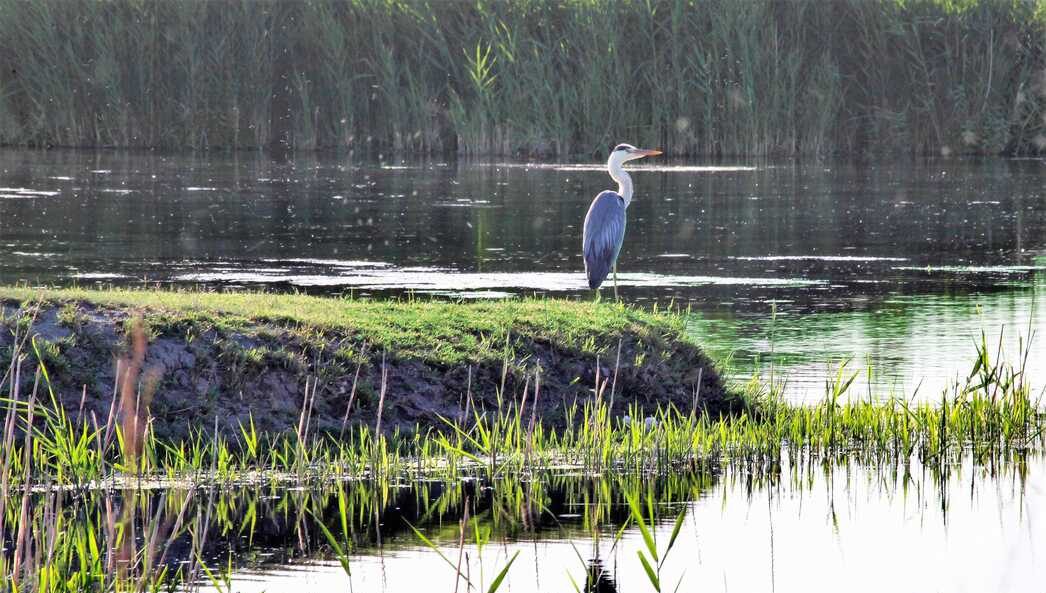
{"x": 897, "y": 265}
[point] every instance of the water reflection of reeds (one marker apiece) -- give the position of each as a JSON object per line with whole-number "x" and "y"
{"x": 105, "y": 538}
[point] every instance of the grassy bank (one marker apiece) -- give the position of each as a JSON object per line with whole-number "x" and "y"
{"x": 697, "y": 77}
{"x": 214, "y": 360}
{"x": 287, "y": 378}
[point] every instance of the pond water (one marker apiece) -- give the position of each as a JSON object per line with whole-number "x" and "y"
{"x": 897, "y": 266}
{"x": 807, "y": 527}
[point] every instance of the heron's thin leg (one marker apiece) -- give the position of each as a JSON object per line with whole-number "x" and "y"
{"x": 615, "y": 282}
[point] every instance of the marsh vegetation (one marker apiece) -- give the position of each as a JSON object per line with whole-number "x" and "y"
{"x": 102, "y": 503}
{"x": 714, "y": 77}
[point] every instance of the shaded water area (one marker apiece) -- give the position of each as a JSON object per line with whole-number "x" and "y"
{"x": 898, "y": 266}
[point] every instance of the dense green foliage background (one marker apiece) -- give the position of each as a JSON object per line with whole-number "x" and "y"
{"x": 552, "y": 77}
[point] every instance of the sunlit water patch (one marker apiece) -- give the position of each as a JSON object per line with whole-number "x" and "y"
{"x": 975, "y": 269}
{"x": 906, "y": 346}
{"x": 24, "y": 192}
{"x": 646, "y": 166}
{"x": 827, "y": 258}
{"x": 337, "y": 263}
{"x": 457, "y": 282}
{"x": 97, "y": 276}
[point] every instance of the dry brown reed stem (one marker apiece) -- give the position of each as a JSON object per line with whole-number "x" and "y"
{"x": 504, "y": 369}
{"x": 125, "y": 550}
{"x": 131, "y": 425}
{"x": 23, "y": 543}
{"x": 110, "y": 421}
{"x": 595, "y": 390}
{"x": 14, "y": 373}
{"x": 110, "y": 530}
{"x": 304, "y": 411}
{"x": 199, "y": 538}
{"x": 52, "y": 508}
{"x": 697, "y": 392}
{"x": 998, "y": 356}
{"x": 151, "y": 534}
{"x": 381, "y": 398}
{"x": 461, "y": 546}
{"x": 28, "y": 445}
{"x": 468, "y": 395}
{"x": 9, "y": 436}
{"x": 526, "y": 391}
{"x": 533, "y": 413}
{"x": 352, "y": 398}
{"x": 176, "y": 528}
{"x": 312, "y": 406}
{"x": 80, "y": 409}
{"x": 305, "y": 418}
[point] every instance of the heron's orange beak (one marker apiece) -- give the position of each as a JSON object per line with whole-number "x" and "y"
{"x": 647, "y": 152}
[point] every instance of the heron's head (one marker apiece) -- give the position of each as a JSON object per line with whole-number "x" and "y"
{"x": 623, "y": 153}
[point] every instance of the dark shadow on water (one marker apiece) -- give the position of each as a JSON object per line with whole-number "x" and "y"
{"x": 598, "y": 578}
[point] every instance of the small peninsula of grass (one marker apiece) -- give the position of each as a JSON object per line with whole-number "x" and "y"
{"x": 440, "y": 332}
{"x": 237, "y": 356}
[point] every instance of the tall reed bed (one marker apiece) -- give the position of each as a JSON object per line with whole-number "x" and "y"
{"x": 697, "y": 77}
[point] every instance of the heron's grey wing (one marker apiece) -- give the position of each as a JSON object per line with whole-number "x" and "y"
{"x": 603, "y": 234}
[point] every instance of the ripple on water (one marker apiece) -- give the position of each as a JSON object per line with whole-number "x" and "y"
{"x": 837, "y": 258}
{"x": 973, "y": 269}
{"x": 644, "y": 167}
{"x": 98, "y": 276}
{"x": 24, "y": 192}
{"x": 337, "y": 263}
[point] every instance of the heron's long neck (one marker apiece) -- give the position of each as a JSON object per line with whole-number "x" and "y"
{"x": 624, "y": 182}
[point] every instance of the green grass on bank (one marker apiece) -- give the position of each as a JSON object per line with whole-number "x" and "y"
{"x": 433, "y": 331}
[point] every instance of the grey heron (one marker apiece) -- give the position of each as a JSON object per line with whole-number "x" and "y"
{"x": 605, "y": 222}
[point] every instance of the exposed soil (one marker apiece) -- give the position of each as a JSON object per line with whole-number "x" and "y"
{"x": 196, "y": 374}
